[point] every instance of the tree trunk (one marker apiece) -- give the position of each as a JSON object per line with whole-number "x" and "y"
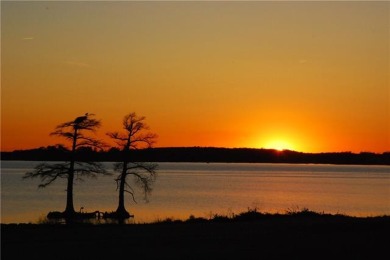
{"x": 121, "y": 205}
{"x": 69, "y": 210}
{"x": 121, "y": 210}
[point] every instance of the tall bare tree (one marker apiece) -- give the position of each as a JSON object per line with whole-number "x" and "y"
{"x": 136, "y": 135}
{"x": 73, "y": 169}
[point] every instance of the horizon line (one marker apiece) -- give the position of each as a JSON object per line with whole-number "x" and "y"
{"x": 213, "y": 147}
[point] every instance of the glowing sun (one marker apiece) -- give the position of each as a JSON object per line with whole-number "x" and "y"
{"x": 279, "y": 145}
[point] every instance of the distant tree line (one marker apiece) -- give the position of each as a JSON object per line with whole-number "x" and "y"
{"x": 199, "y": 154}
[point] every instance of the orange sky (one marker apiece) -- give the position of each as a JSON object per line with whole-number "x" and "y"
{"x": 307, "y": 76}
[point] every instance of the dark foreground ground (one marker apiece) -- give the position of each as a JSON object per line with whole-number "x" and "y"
{"x": 268, "y": 238}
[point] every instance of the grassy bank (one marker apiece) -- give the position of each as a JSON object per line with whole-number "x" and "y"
{"x": 249, "y": 235}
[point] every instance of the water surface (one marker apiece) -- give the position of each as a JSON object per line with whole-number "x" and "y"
{"x": 205, "y": 189}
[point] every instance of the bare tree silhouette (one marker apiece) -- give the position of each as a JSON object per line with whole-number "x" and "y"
{"x": 73, "y": 169}
{"x": 134, "y": 136}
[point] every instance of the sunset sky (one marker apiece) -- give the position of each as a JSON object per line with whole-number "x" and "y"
{"x": 306, "y": 76}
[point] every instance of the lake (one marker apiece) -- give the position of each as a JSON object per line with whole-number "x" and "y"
{"x": 206, "y": 189}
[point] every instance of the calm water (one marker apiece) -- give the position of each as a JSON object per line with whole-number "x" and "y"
{"x": 204, "y": 189}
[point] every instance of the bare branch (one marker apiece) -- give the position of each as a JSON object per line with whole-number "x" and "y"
{"x": 117, "y": 136}
{"x": 90, "y": 169}
{"x": 144, "y": 182}
{"x": 65, "y": 125}
{"x": 90, "y": 142}
{"x": 89, "y": 124}
{"x": 62, "y": 133}
{"x": 120, "y": 139}
{"x": 132, "y": 195}
{"x": 48, "y": 173}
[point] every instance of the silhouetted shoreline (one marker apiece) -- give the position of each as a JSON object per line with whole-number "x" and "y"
{"x": 202, "y": 154}
{"x": 303, "y": 235}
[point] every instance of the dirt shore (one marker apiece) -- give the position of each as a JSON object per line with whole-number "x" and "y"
{"x": 294, "y": 238}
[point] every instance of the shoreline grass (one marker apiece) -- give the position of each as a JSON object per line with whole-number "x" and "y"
{"x": 297, "y": 234}
{"x": 251, "y": 215}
